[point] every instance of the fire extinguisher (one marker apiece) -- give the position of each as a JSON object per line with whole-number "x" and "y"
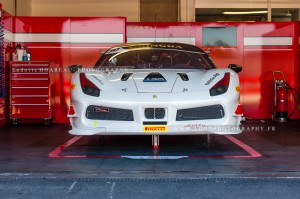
{"x": 281, "y": 91}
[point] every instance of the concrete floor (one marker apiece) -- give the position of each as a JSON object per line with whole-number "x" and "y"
{"x": 35, "y": 160}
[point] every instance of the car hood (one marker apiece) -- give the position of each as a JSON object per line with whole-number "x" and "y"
{"x": 156, "y": 81}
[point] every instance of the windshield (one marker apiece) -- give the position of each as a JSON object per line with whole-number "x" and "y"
{"x": 156, "y": 58}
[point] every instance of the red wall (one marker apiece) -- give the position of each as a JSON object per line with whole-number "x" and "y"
{"x": 190, "y": 33}
{"x": 261, "y": 60}
{"x": 261, "y": 48}
{"x": 297, "y": 58}
{"x": 67, "y": 41}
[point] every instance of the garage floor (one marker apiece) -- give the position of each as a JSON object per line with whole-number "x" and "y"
{"x": 265, "y": 154}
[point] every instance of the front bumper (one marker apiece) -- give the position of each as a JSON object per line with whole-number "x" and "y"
{"x": 229, "y": 124}
{"x": 190, "y": 129}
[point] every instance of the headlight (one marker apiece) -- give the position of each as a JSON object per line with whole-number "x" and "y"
{"x": 221, "y": 86}
{"x": 88, "y": 87}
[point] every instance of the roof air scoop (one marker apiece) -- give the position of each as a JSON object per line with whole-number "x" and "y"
{"x": 154, "y": 77}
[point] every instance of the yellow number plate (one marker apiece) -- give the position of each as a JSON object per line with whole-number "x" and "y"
{"x": 155, "y": 129}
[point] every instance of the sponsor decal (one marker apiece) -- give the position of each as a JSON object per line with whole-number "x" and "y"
{"x": 154, "y": 129}
{"x": 124, "y": 47}
{"x": 194, "y": 126}
{"x": 95, "y": 124}
{"x": 172, "y": 46}
{"x": 212, "y": 79}
{"x": 101, "y": 109}
{"x": 237, "y": 88}
{"x": 165, "y": 46}
{"x": 154, "y": 77}
{"x": 154, "y": 96}
{"x": 73, "y": 86}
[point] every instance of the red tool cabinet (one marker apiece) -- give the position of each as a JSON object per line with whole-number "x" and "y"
{"x": 30, "y": 91}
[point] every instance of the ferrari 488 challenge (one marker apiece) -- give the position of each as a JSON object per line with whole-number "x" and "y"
{"x": 155, "y": 89}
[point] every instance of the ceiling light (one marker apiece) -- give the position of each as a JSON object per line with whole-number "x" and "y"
{"x": 246, "y": 12}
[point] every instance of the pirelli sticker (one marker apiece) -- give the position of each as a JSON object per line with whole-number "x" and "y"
{"x": 155, "y": 129}
{"x": 237, "y": 88}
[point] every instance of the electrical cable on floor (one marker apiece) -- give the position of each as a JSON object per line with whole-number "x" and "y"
{"x": 295, "y": 95}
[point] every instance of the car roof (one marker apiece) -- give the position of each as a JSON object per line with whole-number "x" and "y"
{"x": 161, "y": 45}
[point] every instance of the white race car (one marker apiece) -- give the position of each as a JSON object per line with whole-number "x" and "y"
{"x": 155, "y": 89}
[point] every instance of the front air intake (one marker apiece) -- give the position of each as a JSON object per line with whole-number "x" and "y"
{"x": 125, "y": 76}
{"x": 183, "y": 76}
{"x": 200, "y": 113}
{"x": 155, "y": 113}
{"x": 108, "y": 113}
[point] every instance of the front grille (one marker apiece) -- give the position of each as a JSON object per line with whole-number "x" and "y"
{"x": 149, "y": 113}
{"x": 108, "y": 113}
{"x": 155, "y": 113}
{"x": 200, "y": 113}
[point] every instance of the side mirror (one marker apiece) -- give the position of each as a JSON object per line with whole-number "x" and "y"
{"x": 236, "y": 68}
{"x": 74, "y": 68}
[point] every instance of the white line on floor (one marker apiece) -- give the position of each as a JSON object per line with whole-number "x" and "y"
{"x": 110, "y": 196}
{"x": 72, "y": 186}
